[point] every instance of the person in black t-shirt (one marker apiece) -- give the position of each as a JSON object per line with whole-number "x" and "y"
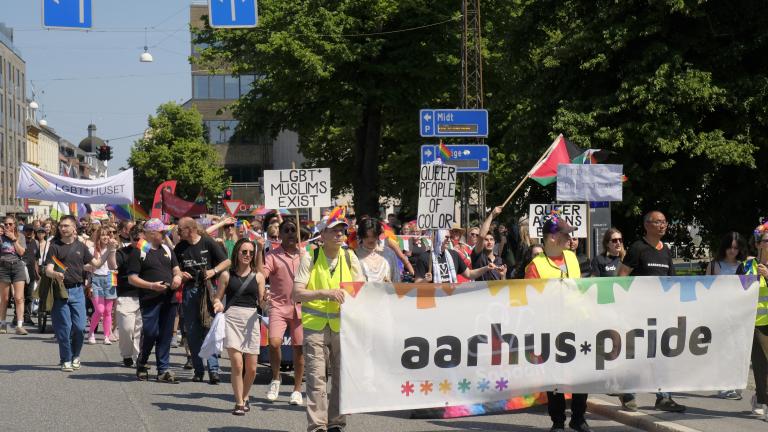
{"x": 607, "y": 263}
{"x": 651, "y": 257}
{"x": 156, "y": 272}
{"x": 201, "y": 259}
{"x": 67, "y": 260}
{"x": 30, "y": 258}
{"x": 444, "y": 267}
{"x": 483, "y": 252}
{"x": 128, "y": 311}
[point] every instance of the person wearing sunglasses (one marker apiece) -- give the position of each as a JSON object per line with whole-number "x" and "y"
{"x": 12, "y": 274}
{"x": 243, "y": 285}
{"x": 607, "y": 263}
{"x": 649, "y": 256}
{"x": 104, "y": 293}
{"x": 280, "y": 266}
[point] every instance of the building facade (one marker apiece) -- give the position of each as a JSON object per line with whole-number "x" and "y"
{"x": 244, "y": 157}
{"x": 13, "y": 112}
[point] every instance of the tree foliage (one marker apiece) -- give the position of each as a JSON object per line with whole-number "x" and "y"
{"x": 175, "y": 148}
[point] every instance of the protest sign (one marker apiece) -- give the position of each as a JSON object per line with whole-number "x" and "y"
{"x": 589, "y": 182}
{"x": 437, "y": 193}
{"x": 409, "y": 347}
{"x": 39, "y": 184}
{"x": 297, "y": 188}
{"x": 574, "y": 214}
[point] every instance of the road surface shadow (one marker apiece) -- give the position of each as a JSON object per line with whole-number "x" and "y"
{"x": 167, "y": 406}
{"x": 21, "y": 368}
{"x": 242, "y": 429}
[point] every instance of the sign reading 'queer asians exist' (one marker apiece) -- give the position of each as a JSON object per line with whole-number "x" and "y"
{"x": 297, "y": 188}
{"x": 437, "y": 193}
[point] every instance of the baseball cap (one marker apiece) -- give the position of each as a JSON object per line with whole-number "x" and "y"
{"x": 554, "y": 225}
{"x": 155, "y": 224}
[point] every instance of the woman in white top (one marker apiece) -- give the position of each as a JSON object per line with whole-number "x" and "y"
{"x": 104, "y": 290}
{"x": 369, "y": 251}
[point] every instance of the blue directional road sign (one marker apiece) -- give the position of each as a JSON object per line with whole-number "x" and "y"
{"x": 233, "y": 13}
{"x": 465, "y": 123}
{"x": 466, "y": 157}
{"x": 72, "y": 14}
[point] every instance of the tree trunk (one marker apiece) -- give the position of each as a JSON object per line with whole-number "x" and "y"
{"x": 367, "y": 146}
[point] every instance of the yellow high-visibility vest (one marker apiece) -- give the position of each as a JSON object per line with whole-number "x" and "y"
{"x": 547, "y": 269}
{"x": 761, "y": 318}
{"x": 316, "y": 314}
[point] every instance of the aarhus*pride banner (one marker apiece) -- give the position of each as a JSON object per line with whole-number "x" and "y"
{"x": 408, "y": 346}
{"x": 36, "y": 183}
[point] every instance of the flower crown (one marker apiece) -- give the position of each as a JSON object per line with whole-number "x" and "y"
{"x": 761, "y": 229}
{"x": 554, "y": 218}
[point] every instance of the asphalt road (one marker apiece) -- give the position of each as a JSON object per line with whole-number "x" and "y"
{"x": 105, "y": 396}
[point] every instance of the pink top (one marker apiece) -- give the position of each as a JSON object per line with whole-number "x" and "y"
{"x": 280, "y": 268}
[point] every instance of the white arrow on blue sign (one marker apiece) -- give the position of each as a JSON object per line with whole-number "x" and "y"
{"x": 233, "y": 13}
{"x": 71, "y": 14}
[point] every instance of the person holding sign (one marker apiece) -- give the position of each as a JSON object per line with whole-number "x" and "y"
{"x": 445, "y": 266}
{"x": 559, "y": 262}
{"x": 317, "y": 286}
{"x": 483, "y": 255}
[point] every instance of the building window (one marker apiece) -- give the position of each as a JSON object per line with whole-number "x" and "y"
{"x": 200, "y": 86}
{"x": 216, "y": 87}
{"x": 220, "y": 131}
{"x": 231, "y": 87}
{"x": 245, "y": 84}
{"x": 2, "y": 84}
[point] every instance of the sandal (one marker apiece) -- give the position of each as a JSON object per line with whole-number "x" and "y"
{"x": 239, "y": 410}
{"x": 247, "y": 405}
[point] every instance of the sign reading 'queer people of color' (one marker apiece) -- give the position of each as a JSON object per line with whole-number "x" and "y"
{"x": 437, "y": 193}
{"x": 297, "y": 188}
{"x": 482, "y": 342}
{"x": 574, "y": 214}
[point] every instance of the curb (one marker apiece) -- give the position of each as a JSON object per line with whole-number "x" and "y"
{"x": 639, "y": 419}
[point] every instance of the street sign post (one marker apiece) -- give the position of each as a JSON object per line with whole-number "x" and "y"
{"x": 466, "y": 123}
{"x": 71, "y": 14}
{"x": 233, "y": 13}
{"x": 465, "y": 157}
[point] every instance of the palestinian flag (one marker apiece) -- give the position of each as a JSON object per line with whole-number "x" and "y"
{"x": 561, "y": 151}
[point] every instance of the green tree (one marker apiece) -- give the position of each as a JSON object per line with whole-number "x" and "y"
{"x": 677, "y": 89}
{"x": 348, "y": 79}
{"x": 175, "y": 148}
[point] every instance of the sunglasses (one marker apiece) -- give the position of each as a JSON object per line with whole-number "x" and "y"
{"x": 617, "y": 240}
{"x": 289, "y": 230}
{"x": 9, "y": 224}
{"x": 246, "y": 252}
{"x": 474, "y": 234}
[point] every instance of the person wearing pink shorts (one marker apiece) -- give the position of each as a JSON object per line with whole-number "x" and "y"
{"x": 280, "y": 265}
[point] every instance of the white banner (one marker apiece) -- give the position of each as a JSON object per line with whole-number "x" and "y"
{"x": 437, "y": 193}
{"x": 297, "y": 188}
{"x": 409, "y": 346}
{"x": 38, "y": 184}
{"x": 589, "y": 182}
{"x": 574, "y": 214}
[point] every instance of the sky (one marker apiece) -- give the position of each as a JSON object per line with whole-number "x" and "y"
{"x": 82, "y": 77}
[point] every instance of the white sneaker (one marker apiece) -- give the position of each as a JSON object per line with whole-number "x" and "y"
{"x": 92, "y": 339}
{"x": 107, "y": 341}
{"x": 296, "y": 398}
{"x": 274, "y": 390}
{"x": 67, "y": 367}
{"x": 757, "y": 409}
{"x": 76, "y": 363}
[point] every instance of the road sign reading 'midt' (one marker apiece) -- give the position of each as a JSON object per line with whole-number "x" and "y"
{"x": 465, "y": 157}
{"x": 467, "y": 123}
{"x": 73, "y": 14}
{"x": 233, "y": 13}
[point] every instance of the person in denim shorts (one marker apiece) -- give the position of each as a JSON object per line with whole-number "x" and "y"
{"x": 13, "y": 272}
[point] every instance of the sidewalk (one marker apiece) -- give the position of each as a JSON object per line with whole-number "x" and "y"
{"x": 705, "y": 413}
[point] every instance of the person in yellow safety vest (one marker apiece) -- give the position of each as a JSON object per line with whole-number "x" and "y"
{"x": 759, "y": 266}
{"x": 557, "y": 262}
{"x": 317, "y": 286}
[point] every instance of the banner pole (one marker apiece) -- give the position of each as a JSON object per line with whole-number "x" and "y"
{"x": 535, "y": 166}
{"x": 589, "y": 232}
{"x": 519, "y": 185}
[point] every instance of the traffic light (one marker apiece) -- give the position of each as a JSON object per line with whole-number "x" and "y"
{"x": 228, "y": 194}
{"x": 103, "y": 153}
{"x": 109, "y": 153}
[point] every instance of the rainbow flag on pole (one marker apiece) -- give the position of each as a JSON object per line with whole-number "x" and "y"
{"x": 444, "y": 150}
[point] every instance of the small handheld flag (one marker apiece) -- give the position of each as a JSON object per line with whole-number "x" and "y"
{"x": 114, "y": 279}
{"x": 144, "y": 246}
{"x": 60, "y": 265}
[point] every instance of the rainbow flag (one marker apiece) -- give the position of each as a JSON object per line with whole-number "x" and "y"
{"x": 144, "y": 246}
{"x": 444, "y": 150}
{"x": 337, "y": 212}
{"x": 246, "y": 225}
{"x": 57, "y": 262}
{"x": 114, "y": 279}
{"x": 128, "y": 211}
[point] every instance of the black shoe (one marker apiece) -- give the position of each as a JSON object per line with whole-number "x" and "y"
{"x": 188, "y": 364}
{"x": 213, "y": 378}
{"x": 198, "y": 378}
{"x": 142, "y": 373}
{"x": 667, "y": 404}
{"x": 335, "y": 429}
{"x": 628, "y": 403}
{"x": 579, "y": 426}
{"x": 557, "y": 427}
{"x": 168, "y": 377}
{"x": 128, "y": 362}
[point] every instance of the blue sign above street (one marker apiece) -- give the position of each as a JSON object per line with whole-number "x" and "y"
{"x": 72, "y": 14}
{"x": 233, "y": 13}
{"x": 466, "y": 157}
{"x": 465, "y": 123}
